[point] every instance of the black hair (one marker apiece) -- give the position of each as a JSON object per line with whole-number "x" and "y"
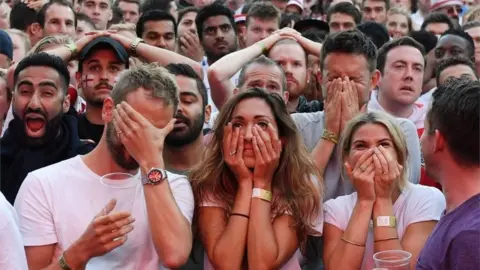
{"x": 287, "y": 18}
{"x": 117, "y": 16}
{"x": 454, "y": 61}
{"x": 187, "y": 71}
{"x": 469, "y": 25}
{"x": 387, "y": 3}
{"x": 21, "y": 16}
{"x": 154, "y": 15}
{"x": 85, "y": 18}
{"x": 403, "y": 41}
{"x": 148, "y": 5}
{"x": 376, "y": 32}
{"x": 41, "y": 14}
{"x": 184, "y": 11}
{"x": 464, "y": 35}
{"x": 213, "y": 10}
{"x": 427, "y": 39}
{"x": 315, "y": 35}
{"x": 347, "y": 9}
{"x": 265, "y": 61}
{"x": 457, "y": 104}
{"x": 437, "y": 17}
{"x": 44, "y": 59}
{"x": 351, "y": 42}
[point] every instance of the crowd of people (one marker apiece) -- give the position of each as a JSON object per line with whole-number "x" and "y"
{"x": 239, "y": 134}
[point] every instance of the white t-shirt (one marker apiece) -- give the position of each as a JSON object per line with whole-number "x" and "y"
{"x": 416, "y": 203}
{"x": 56, "y": 204}
{"x": 12, "y": 253}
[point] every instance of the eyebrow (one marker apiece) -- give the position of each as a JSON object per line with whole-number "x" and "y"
{"x": 188, "y": 93}
{"x": 239, "y": 117}
{"x": 47, "y": 83}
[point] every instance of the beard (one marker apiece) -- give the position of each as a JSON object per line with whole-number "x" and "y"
{"x": 52, "y": 127}
{"x": 119, "y": 153}
{"x": 179, "y": 138}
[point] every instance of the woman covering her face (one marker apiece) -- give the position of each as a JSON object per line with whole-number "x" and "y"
{"x": 258, "y": 193}
{"x": 386, "y": 212}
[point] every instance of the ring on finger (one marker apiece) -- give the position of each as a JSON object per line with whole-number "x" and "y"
{"x": 384, "y": 173}
{"x": 362, "y": 168}
{"x": 233, "y": 153}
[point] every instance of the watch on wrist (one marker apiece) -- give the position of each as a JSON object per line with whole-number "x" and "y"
{"x": 134, "y": 46}
{"x": 63, "y": 264}
{"x": 385, "y": 221}
{"x": 154, "y": 176}
{"x": 73, "y": 49}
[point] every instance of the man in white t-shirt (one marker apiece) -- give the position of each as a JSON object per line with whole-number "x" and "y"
{"x": 67, "y": 217}
{"x": 401, "y": 63}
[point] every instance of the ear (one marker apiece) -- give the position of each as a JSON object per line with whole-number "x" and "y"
{"x": 107, "y": 110}
{"x": 374, "y": 79}
{"x": 309, "y": 75}
{"x": 208, "y": 113}
{"x": 110, "y": 16}
{"x": 439, "y": 142}
{"x": 236, "y": 90}
{"x": 286, "y": 96}
{"x": 36, "y": 30}
{"x": 66, "y": 103}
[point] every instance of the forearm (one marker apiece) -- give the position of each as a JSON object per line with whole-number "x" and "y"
{"x": 170, "y": 230}
{"x": 230, "y": 248}
{"x": 61, "y": 51}
{"x": 73, "y": 257}
{"x": 312, "y": 47}
{"x": 385, "y": 238}
{"x": 321, "y": 154}
{"x": 347, "y": 255}
{"x": 165, "y": 57}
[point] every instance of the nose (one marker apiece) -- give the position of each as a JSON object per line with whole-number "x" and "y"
{"x": 96, "y": 10}
{"x": 34, "y": 102}
{"x": 408, "y": 73}
{"x": 264, "y": 34}
{"x": 161, "y": 43}
{"x": 63, "y": 29}
{"x": 248, "y": 133}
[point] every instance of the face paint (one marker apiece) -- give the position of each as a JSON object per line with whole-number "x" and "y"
{"x": 87, "y": 81}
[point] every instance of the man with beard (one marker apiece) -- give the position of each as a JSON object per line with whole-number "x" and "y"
{"x": 65, "y": 220}
{"x": 39, "y": 134}
{"x": 216, "y": 31}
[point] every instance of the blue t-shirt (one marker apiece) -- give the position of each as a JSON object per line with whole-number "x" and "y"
{"x": 455, "y": 241}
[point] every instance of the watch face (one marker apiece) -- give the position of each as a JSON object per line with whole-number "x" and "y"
{"x": 155, "y": 175}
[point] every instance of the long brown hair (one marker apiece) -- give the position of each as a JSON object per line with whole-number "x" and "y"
{"x": 297, "y": 185}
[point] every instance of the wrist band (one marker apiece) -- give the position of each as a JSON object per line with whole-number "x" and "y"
{"x": 134, "y": 46}
{"x": 329, "y": 136}
{"x": 351, "y": 243}
{"x": 240, "y": 215}
{"x": 63, "y": 264}
{"x": 386, "y": 239}
{"x": 385, "y": 221}
{"x": 262, "y": 194}
{"x": 263, "y": 47}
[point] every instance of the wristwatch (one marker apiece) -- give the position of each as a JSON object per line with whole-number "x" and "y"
{"x": 154, "y": 176}
{"x": 73, "y": 49}
{"x": 133, "y": 47}
{"x": 63, "y": 264}
{"x": 385, "y": 221}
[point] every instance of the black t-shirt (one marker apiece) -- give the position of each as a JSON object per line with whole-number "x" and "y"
{"x": 87, "y": 130}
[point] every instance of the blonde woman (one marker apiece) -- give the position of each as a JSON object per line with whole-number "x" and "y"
{"x": 399, "y": 22}
{"x": 386, "y": 212}
{"x": 257, "y": 191}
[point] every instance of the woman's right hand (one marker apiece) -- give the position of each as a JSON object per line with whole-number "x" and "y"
{"x": 362, "y": 176}
{"x": 233, "y": 153}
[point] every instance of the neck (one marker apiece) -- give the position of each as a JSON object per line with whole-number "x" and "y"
{"x": 292, "y": 104}
{"x": 94, "y": 115}
{"x": 185, "y": 157}
{"x": 395, "y": 109}
{"x": 459, "y": 184}
{"x": 107, "y": 165}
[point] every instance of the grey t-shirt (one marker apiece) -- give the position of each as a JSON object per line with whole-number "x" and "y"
{"x": 311, "y": 126}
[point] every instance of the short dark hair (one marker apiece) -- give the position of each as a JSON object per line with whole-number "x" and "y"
{"x": 377, "y": 32}
{"x": 128, "y": 1}
{"x": 185, "y": 11}
{"x": 154, "y": 15}
{"x": 261, "y": 60}
{"x": 347, "y": 9}
{"x": 213, "y": 10}
{"x": 464, "y": 35}
{"x": 287, "y": 18}
{"x": 456, "y": 104}
{"x": 403, "y": 41}
{"x": 437, "y": 17}
{"x": 387, "y": 3}
{"x": 85, "y": 18}
{"x": 454, "y": 61}
{"x": 469, "y": 25}
{"x": 117, "y": 16}
{"x": 155, "y": 5}
{"x": 21, "y": 16}
{"x": 44, "y": 59}
{"x": 187, "y": 71}
{"x": 315, "y": 35}
{"x": 264, "y": 11}
{"x": 427, "y": 39}
{"x": 351, "y": 42}
{"x": 41, "y": 14}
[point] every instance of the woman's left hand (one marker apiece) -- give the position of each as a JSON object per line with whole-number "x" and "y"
{"x": 387, "y": 173}
{"x": 267, "y": 148}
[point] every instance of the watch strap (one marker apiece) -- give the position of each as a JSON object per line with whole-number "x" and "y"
{"x": 134, "y": 46}
{"x": 146, "y": 177}
{"x": 262, "y": 194}
{"x": 73, "y": 49}
{"x": 385, "y": 221}
{"x": 63, "y": 264}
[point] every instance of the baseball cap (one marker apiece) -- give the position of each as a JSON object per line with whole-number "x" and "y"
{"x": 6, "y": 46}
{"x": 307, "y": 24}
{"x": 298, "y": 3}
{"x": 436, "y": 4}
{"x": 118, "y": 48}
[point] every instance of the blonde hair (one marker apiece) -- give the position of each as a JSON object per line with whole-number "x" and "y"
{"x": 123, "y": 27}
{"x": 22, "y": 35}
{"x": 293, "y": 184}
{"x": 388, "y": 122}
{"x": 401, "y": 11}
{"x": 50, "y": 40}
{"x": 472, "y": 14}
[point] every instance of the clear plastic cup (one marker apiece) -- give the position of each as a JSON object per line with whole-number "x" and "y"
{"x": 123, "y": 188}
{"x": 392, "y": 259}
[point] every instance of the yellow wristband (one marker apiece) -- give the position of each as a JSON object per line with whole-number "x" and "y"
{"x": 262, "y": 194}
{"x": 385, "y": 221}
{"x": 329, "y": 136}
{"x": 264, "y": 49}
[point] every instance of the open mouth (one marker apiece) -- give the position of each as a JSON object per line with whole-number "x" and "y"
{"x": 35, "y": 123}
{"x": 406, "y": 88}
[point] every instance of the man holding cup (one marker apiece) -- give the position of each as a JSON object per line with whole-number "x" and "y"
{"x": 57, "y": 224}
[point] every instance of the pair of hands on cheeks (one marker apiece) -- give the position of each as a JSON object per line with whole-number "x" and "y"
{"x": 267, "y": 148}
{"x": 375, "y": 174}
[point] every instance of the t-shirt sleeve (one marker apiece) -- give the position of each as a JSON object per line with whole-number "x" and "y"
{"x": 464, "y": 251}
{"x": 430, "y": 204}
{"x": 183, "y": 195}
{"x": 35, "y": 215}
{"x": 12, "y": 253}
{"x": 333, "y": 214}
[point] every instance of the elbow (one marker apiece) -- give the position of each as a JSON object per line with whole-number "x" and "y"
{"x": 212, "y": 74}
{"x": 175, "y": 260}
{"x": 199, "y": 70}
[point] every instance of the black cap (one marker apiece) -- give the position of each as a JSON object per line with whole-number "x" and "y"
{"x": 120, "y": 51}
{"x": 307, "y": 24}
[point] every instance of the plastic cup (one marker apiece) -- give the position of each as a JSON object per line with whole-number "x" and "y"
{"x": 392, "y": 259}
{"x": 123, "y": 188}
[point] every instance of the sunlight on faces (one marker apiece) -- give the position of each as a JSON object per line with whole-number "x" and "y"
{"x": 39, "y": 101}
{"x": 355, "y": 67}
{"x": 247, "y": 113}
{"x": 456, "y": 71}
{"x": 98, "y": 75}
{"x": 153, "y": 109}
{"x": 258, "y": 29}
{"x": 266, "y": 77}
{"x": 292, "y": 58}
{"x": 402, "y": 78}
